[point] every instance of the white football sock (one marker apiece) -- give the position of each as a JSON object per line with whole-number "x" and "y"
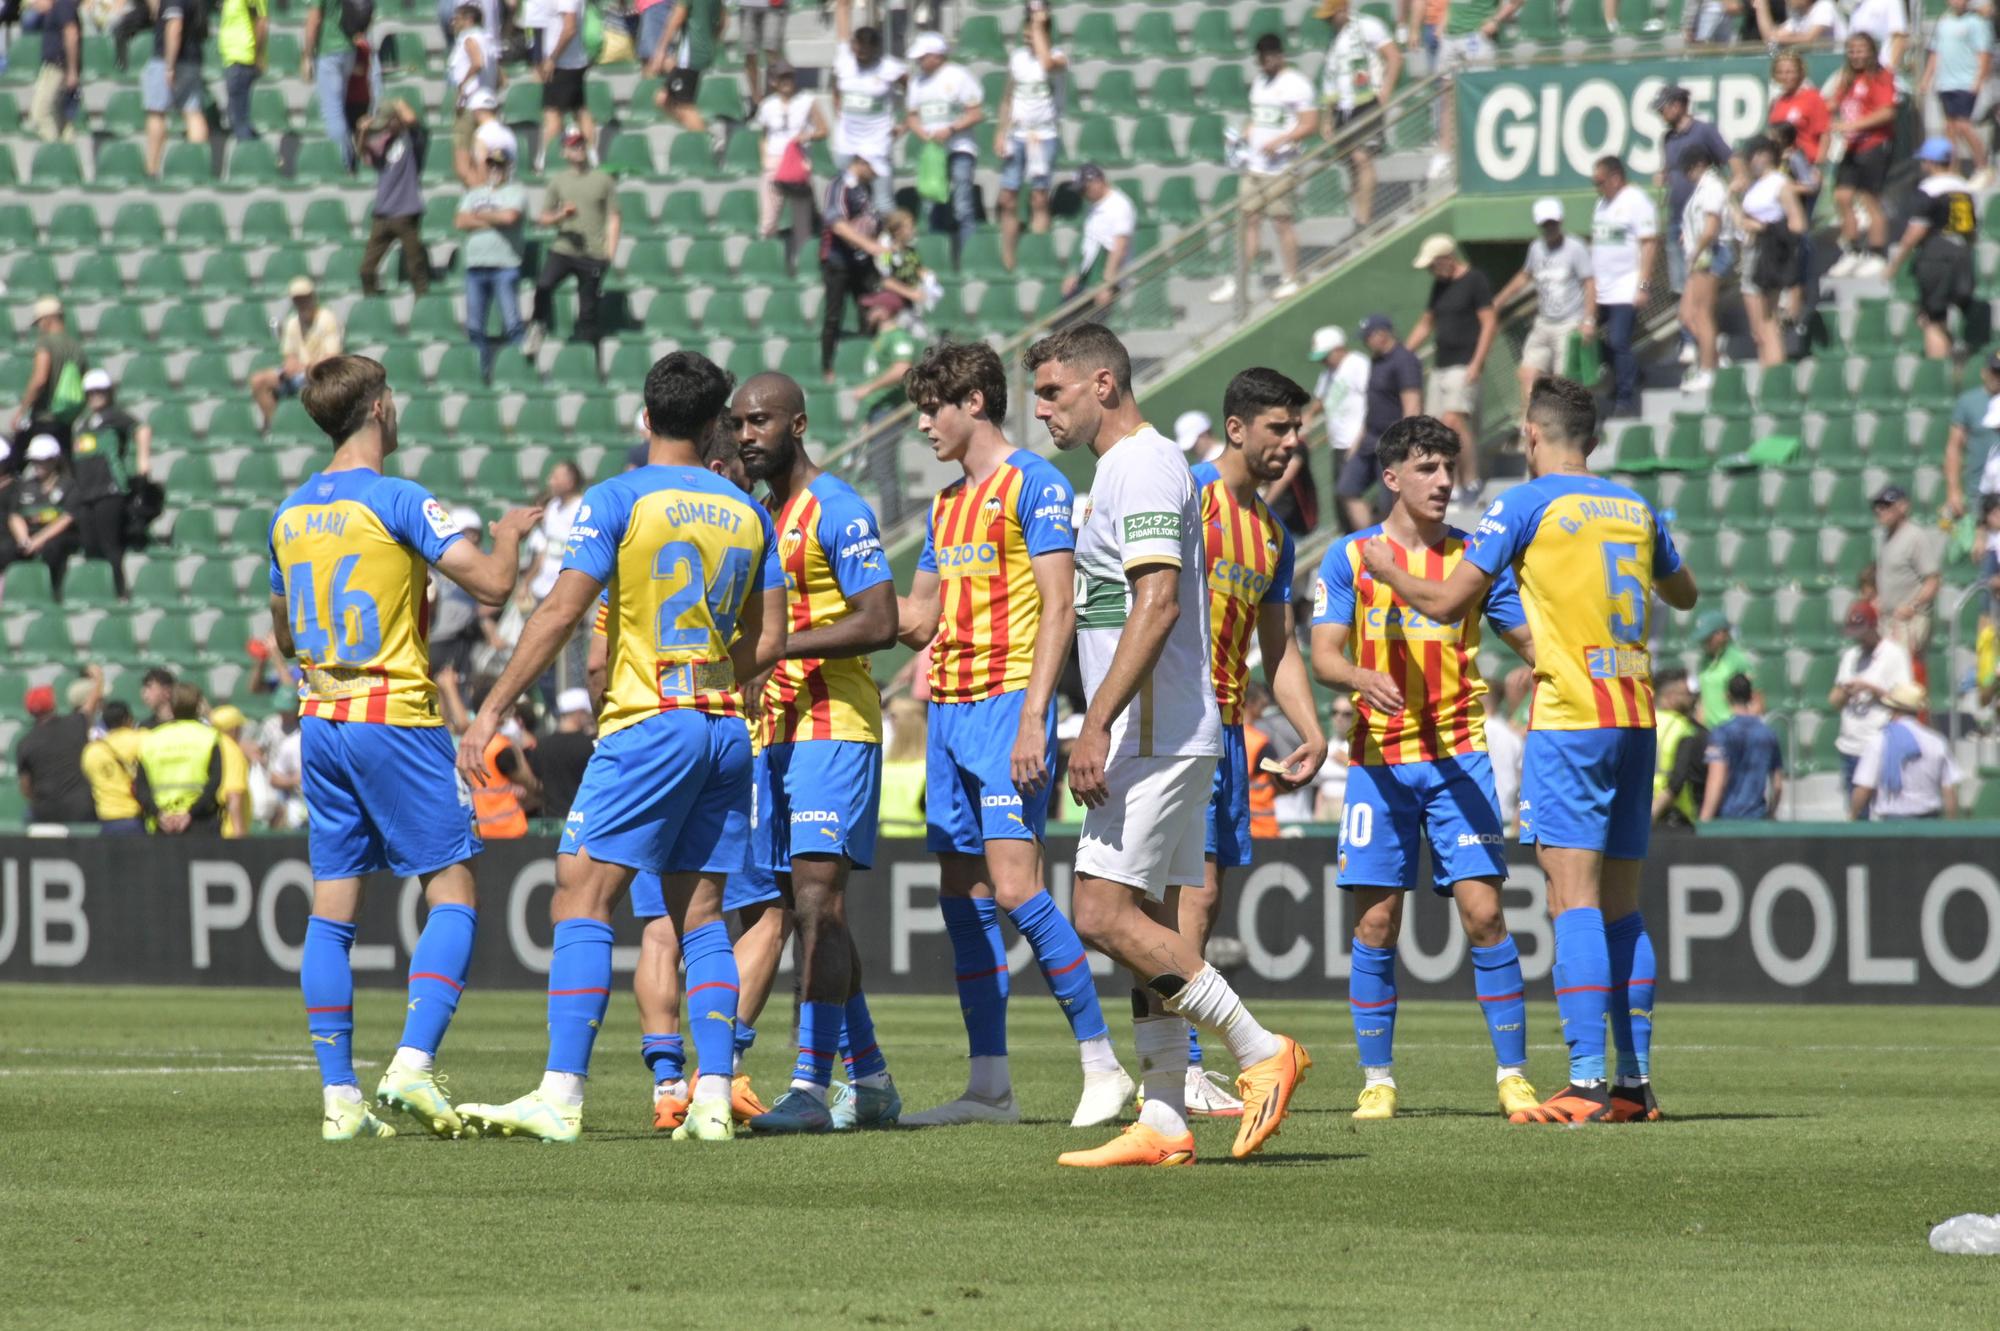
{"x": 989, "y": 1078}
{"x": 1506, "y": 1070}
{"x": 415, "y": 1059}
{"x": 812, "y": 1088}
{"x": 874, "y": 1081}
{"x": 565, "y": 1088}
{"x": 1162, "y": 1043}
{"x": 1209, "y": 1002}
{"x": 1384, "y": 1076}
{"x": 736, "y": 1063}
{"x": 347, "y": 1091}
{"x": 711, "y": 1086}
{"x": 678, "y": 1088}
{"x": 1098, "y": 1055}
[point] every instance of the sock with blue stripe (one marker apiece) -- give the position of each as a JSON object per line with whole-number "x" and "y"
{"x": 327, "y": 981}
{"x": 866, "y": 1065}
{"x": 1631, "y": 949}
{"x": 1371, "y": 1002}
{"x": 579, "y": 992}
{"x": 437, "y": 975}
{"x": 819, "y": 1033}
{"x": 711, "y": 997}
{"x": 980, "y": 963}
{"x": 1503, "y": 1000}
{"x": 1064, "y": 965}
{"x": 665, "y": 1056}
{"x": 746, "y": 1036}
{"x": 1583, "y": 990}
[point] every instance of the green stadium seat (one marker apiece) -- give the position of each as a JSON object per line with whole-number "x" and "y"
{"x": 745, "y": 359}
{"x": 1847, "y": 507}
{"x": 980, "y": 42}
{"x": 123, "y": 328}
{"x": 1754, "y": 565}
{"x": 598, "y": 99}
{"x": 320, "y": 163}
{"x": 72, "y": 226}
{"x": 1693, "y": 508}
{"x": 479, "y": 422}
{"x": 1879, "y": 389}
{"x": 736, "y": 213}
{"x": 441, "y": 472}
{"x": 522, "y": 104}
{"x": 16, "y": 222}
{"x": 270, "y": 113}
{"x": 458, "y": 371}
{"x": 144, "y": 377}
{"x": 1634, "y": 454}
{"x": 370, "y": 322}
{"x": 326, "y": 222}
{"x": 252, "y": 165}
{"x": 45, "y": 633}
{"x": 196, "y": 531}
{"x": 721, "y": 97}
{"x": 1176, "y": 204}
{"x": 536, "y": 422}
{"x": 689, "y": 157}
{"x": 784, "y": 313}
{"x": 1814, "y": 629}
{"x": 1794, "y": 505}
{"x": 1872, "y": 335}
{"x": 96, "y": 277}
{"x": 124, "y": 115}
{"x": 1743, "y": 503}
{"x": 725, "y": 315}
{"x": 32, "y": 274}
{"x": 1685, "y": 450}
{"x": 187, "y": 166}
{"x": 1206, "y": 142}
{"x": 1226, "y": 90}
{"x": 1931, "y": 387}
{"x": 1172, "y": 91}
{"x": 1540, "y": 22}
{"x": 1212, "y": 35}
{"x": 1094, "y": 36}
{"x": 110, "y": 638}
{"x": 1154, "y": 37}
{"x": 55, "y": 166}
{"x": 282, "y": 265}
{"x": 200, "y": 225}
{"x": 224, "y": 275}
{"x": 156, "y": 583}
{"x": 683, "y": 215}
{"x": 88, "y": 582}
{"x": 499, "y": 474}
{"x": 575, "y": 370}
{"x": 743, "y": 158}
{"x": 1730, "y": 398}
{"x": 706, "y": 261}
{"x": 1837, "y": 446}
{"x": 121, "y": 167}
{"x": 1116, "y": 94}
{"x": 212, "y": 582}
{"x": 1757, "y": 627}
{"x": 668, "y": 316}
{"x": 136, "y": 226}
{"x": 1802, "y": 565}
{"x": 257, "y": 477}
{"x": 630, "y": 156}
{"x": 763, "y": 264}
{"x": 161, "y": 277}
{"x": 1153, "y": 145}
{"x": 1778, "y": 392}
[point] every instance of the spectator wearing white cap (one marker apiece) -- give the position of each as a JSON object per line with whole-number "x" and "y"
{"x": 1558, "y": 267}
{"x": 558, "y": 759}
{"x": 39, "y": 523}
{"x": 472, "y": 68}
{"x": 1906, "y": 768}
{"x": 1194, "y": 432}
{"x": 309, "y": 335}
{"x": 54, "y": 393}
{"x": 102, "y": 464}
{"x": 945, "y": 103}
{"x": 1340, "y": 397}
{"x": 1461, "y": 317}
{"x": 1108, "y": 229}
{"x": 492, "y": 214}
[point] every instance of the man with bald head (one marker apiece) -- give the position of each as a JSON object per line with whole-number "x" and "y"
{"x": 821, "y": 726}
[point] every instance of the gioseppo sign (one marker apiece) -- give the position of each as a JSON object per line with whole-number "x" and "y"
{"x": 1752, "y": 920}
{"x": 1540, "y": 128}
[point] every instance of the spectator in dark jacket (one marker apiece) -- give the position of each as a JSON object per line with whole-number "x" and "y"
{"x": 395, "y": 144}
{"x": 49, "y": 757}
{"x": 848, "y": 246}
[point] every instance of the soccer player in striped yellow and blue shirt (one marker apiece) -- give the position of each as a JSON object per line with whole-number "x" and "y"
{"x": 1589, "y": 554}
{"x": 1249, "y": 557}
{"x": 1417, "y": 766}
{"x": 349, "y": 598}
{"x": 697, "y": 610}
{"x": 992, "y": 601}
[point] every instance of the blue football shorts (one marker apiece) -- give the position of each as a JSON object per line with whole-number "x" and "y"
{"x": 1229, "y": 809}
{"x": 971, "y": 797}
{"x": 1588, "y": 790}
{"x": 383, "y": 797}
{"x": 826, "y": 797}
{"x": 670, "y": 794}
{"x": 1392, "y": 806}
{"x": 749, "y": 885}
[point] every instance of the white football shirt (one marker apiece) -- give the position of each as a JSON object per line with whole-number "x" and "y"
{"x": 867, "y": 106}
{"x": 1144, "y": 509}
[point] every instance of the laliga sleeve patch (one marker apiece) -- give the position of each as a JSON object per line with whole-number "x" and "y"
{"x": 440, "y": 520}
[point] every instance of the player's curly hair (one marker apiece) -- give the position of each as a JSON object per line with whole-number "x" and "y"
{"x": 1415, "y": 436}
{"x": 953, "y": 371}
{"x": 685, "y": 391}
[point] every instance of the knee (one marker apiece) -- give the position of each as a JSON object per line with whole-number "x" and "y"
{"x": 1484, "y": 926}
{"x": 1376, "y": 928}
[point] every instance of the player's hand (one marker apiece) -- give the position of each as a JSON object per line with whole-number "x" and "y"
{"x": 517, "y": 523}
{"x": 173, "y": 824}
{"x": 1378, "y": 691}
{"x": 472, "y": 749}
{"x": 1087, "y": 759}
{"x": 1301, "y": 766}
{"x": 1378, "y": 555}
{"x": 1030, "y": 763}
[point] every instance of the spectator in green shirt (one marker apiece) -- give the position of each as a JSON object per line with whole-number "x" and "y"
{"x": 1973, "y": 446}
{"x": 582, "y": 205}
{"x": 491, "y": 215}
{"x": 1721, "y": 658}
{"x": 890, "y": 357}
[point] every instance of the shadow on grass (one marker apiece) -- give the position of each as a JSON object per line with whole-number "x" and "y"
{"x": 1283, "y": 1159}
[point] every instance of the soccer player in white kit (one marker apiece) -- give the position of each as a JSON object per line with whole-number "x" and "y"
{"x": 1144, "y": 765}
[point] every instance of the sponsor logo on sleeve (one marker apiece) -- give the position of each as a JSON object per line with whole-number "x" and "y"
{"x": 1161, "y": 526}
{"x": 440, "y": 520}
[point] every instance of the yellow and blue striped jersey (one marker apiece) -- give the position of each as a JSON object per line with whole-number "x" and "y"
{"x": 830, "y": 548}
{"x": 1587, "y": 552}
{"x": 348, "y": 553}
{"x": 679, "y": 550}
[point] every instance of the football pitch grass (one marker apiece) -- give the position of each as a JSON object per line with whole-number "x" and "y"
{"x": 160, "y": 1165}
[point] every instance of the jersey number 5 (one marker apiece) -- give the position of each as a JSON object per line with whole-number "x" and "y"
{"x": 680, "y": 563}
{"x": 1626, "y": 591}
{"x": 353, "y": 631}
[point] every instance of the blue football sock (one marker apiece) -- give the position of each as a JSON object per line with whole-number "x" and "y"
{"x": 1064, "y": 964}
{"x": 1194, "y": 1046}
{"x": 437, "y": 975}
{"x": 1583, "y": 990}
{"x": 980, "y": 963}
{"x": 711, "y": 996}
{"x": 579, "y": 992}
{"x": 819, "y": 1033}
{"x": 665, "y": 1055}
{"x": 1631, "y": 994}
{"x": 746, "y": 1035}
{"x": 857, "y": 1047}
{"x": 327, "y": 981}
{"x": 1371, "y": 999}
{"x": 1503, "y": 1001}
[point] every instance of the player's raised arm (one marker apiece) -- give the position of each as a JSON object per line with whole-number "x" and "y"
{"x": 1155, "y": 609}
{"x": 1446, "y": 601}
{"x": 490, "y": 575}
{"x": 1333, "y": 668}
{"x": 542, "y": 640}
{"x": 1285, "y": 672}
{"x": 917, "y": 614}
{"x": 1509, "y": 617}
